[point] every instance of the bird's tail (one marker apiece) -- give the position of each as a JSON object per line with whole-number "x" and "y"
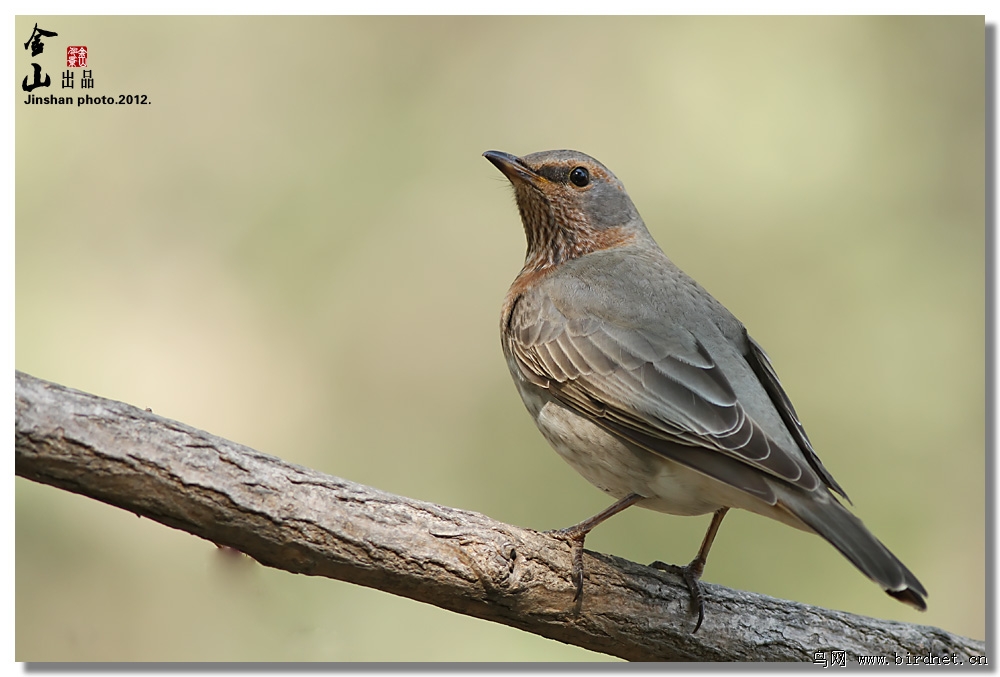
{"x": 825, "y": 515}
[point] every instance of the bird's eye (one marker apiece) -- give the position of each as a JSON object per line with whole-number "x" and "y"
{"x": 580, "y": 177}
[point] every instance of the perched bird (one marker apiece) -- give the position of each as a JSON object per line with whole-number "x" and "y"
{"x": 647, "y": 385}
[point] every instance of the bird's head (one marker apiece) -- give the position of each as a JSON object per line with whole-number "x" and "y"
{"x": 570, "y": 205}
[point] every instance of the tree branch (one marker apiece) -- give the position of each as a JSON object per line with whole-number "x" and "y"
{"x": 296, "y": 519}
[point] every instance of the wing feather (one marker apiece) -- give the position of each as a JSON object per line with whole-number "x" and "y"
{"x": 666, "y": 395}
{"x": 761, "y": 365}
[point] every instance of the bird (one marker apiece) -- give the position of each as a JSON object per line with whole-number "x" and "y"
{"x": 648, "y": 386}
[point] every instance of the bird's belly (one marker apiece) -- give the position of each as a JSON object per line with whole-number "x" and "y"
{"x": 619, "y": 468}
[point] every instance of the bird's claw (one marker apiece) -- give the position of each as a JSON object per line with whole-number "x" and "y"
{"x": 691, "y": 575}
{"x": 575, "y": 540}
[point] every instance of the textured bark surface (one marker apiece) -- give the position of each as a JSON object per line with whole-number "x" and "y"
{"x": 296, "y": 519}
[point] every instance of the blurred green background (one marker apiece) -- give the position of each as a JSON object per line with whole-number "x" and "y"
{"x": 297, "y": 246}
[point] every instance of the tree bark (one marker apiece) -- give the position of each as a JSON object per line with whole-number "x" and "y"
{"x": 296, "y": 519}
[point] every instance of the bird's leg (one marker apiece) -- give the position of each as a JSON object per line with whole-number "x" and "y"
{"x": 577, "y": 533}
{"x": 692, "y": 572}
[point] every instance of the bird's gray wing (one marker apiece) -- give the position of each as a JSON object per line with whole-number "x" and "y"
{"x": 667, "y": 395}
{"x": 761, "y": 365}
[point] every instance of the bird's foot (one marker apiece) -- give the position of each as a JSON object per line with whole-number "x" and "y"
{"x": 575, "y": 538}
{"x": 691, "y": 575}
{"x": 576, "y": 534}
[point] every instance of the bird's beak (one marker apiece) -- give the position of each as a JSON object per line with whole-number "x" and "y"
{"x": 512, "y": 167}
